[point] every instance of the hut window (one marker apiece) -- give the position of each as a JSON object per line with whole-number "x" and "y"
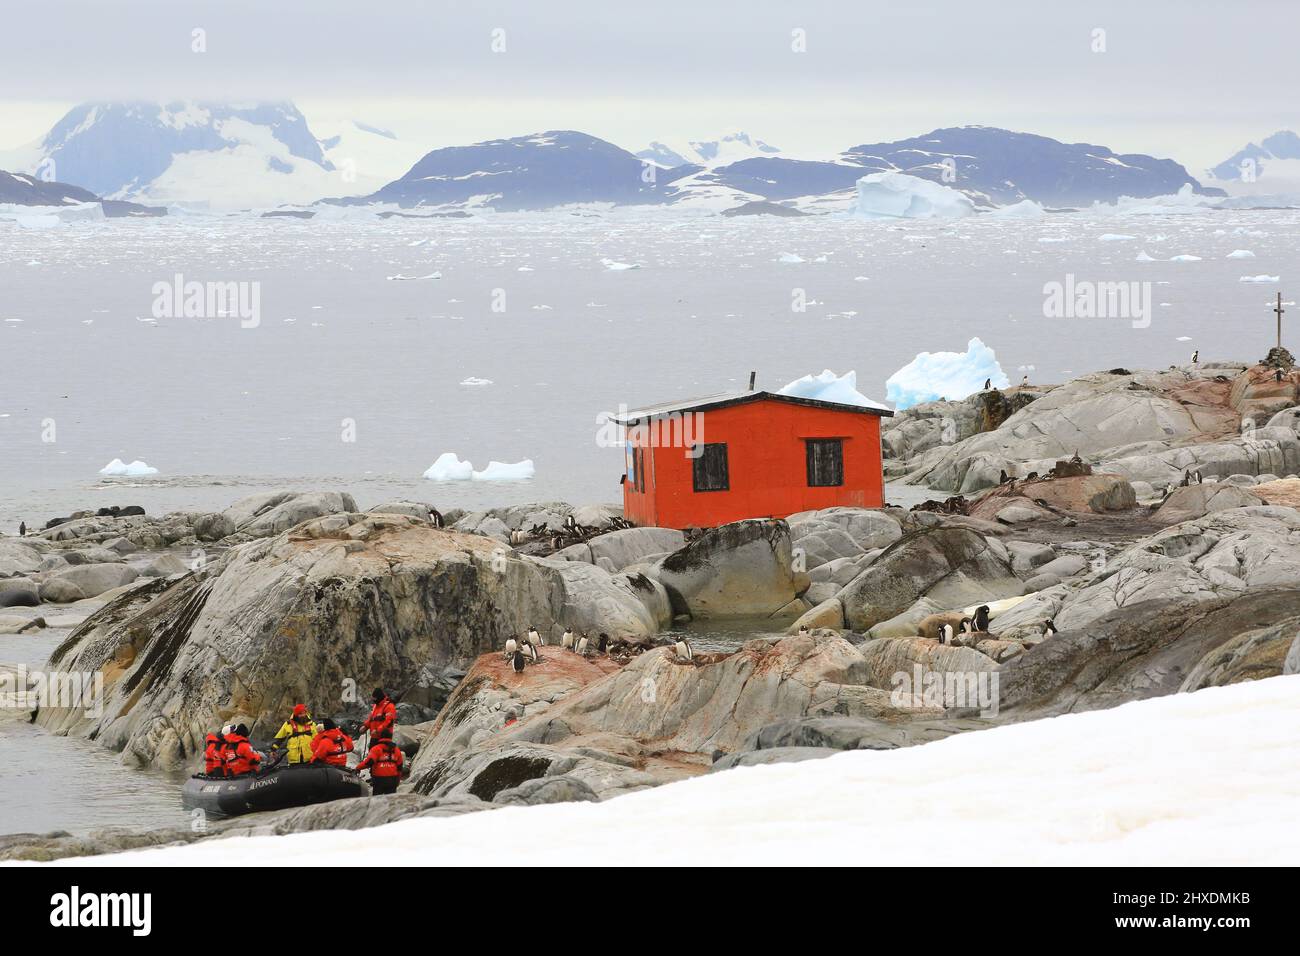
{"x": 640, "y": 470}
{"x": 825, "y": 462}
{"x": 711, "y": 468}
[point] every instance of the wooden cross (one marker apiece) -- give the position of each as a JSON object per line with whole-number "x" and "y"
{"x": 1279, "y": 310}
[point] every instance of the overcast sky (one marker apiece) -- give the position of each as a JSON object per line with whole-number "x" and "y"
{"x": 1190, "y": 80}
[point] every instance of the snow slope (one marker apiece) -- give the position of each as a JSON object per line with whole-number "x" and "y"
{"x": 1206, "y": 778}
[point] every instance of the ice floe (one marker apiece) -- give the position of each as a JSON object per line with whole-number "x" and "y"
{"x": 952, "y": 375}
{"x": 120, "y": 469}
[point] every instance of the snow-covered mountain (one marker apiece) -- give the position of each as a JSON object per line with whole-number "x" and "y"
{"x": 213, "y": 154}
{"x": 1271, "y": 165}
{"x": 716, "y": 152}
{"x": 21, "y": 189}
{"x": 992, "y": 166}
{"x": 538, "y": 171}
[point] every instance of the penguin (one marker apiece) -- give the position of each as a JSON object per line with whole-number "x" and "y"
{"x": 582, "y": 645}
{"x": 682, "y": 648}
{"x": 511, "y": 646}
{"x": 517, "y": 662}
{"x": 1003, "y": 477}
{"x": 988, "y": 384}
{"x": 1196, "y": 356}
{"x": 1187, "y": 479}
{"x": 602, "y": 644}
{"x": 965, "y": 626}
{"x": 22, "y": 529}
{"x": 981, "y": 622}
{"x": 1200, "y": 479}
{"x": 803, "y": 630}
{"x": 1049, "y": 627}
{"x": 435, "y": 518}
{"x": 571, "y": 525}
{"x": 518, "y": 537}
{"x": 566, "y": 641}
{"x": 534, "y": 637}
{"x": 531, "y": 651}
{"x": 945, "y": 634}
{"x": 1024, "y": 382}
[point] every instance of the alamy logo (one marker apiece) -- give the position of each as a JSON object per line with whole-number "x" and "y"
{"x": 1084, "y": 299}
{"x": 74, "y": 908}
{"x": 179, "y": 299}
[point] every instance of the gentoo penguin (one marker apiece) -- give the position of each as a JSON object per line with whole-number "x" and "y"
{"x": 988, "y": 383}
{"x": 1187, "y": 479}
{"x": 517, "y": 662}
{"x": 582, "y": 645}
{"x": 965, "y": 626}
{"x": 511, "y": 646}
{"x": 435, "y": 518}
{"x": 682, "y": 648}
{"x": 981, "y": 622}
{"x": 1024, "y": 382}
{"x": 22, "y": 529}
{"x": 566, "y": 641}
{"x": 1200, "y": 479}
{"x": 570, "y": 524}
{"x": 1049, "y": 627}
{"x": 803, "y": 629}
{"x": 945, "y": 634}
{"x": 534, "y": 637}
{"x": 1277, "y": 376}
{"x": 1003, "y": 477}
{"x": 531, "y": 651}
{"x": 602, "y": 643}
{"x": 1196, "y": 356}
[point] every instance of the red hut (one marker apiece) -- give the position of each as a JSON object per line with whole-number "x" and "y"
{"x": 751, "y": 454}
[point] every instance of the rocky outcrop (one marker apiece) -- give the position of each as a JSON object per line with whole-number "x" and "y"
{"x": 85, "y": 581}
{"x": 741, "y": 569}
{"x": 654, "y": 720}
{"x": 616, "y": 550}
{"x": 320, "y": 614}
{"x": 1196, "y": 501}
{"x": 952, "y": 567}
{"x": 1221, "y": 555}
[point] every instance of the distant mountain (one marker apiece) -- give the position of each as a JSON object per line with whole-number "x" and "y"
{"x": 1276, "y": 157}
{"x": 728, "y": 149}
{"x": 992, "y": 166}
{"x": 532, "y": 172}
{"x": 206, "y": 153}
{"x": 19, "y": 189}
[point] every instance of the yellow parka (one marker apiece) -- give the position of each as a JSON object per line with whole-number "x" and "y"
{"x": 297, "y": 737}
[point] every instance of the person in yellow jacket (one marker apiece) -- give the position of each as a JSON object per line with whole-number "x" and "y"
{"x": 296, "y": 735}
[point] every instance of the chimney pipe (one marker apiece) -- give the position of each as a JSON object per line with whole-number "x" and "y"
{"x": 751, "y": 380}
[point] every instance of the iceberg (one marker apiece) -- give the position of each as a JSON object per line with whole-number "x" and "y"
{"x": 900, "y": 196}
{"x": 119, "y": 469}
{"x": 952, "y": 375}
{"x": 449, "y": 467}
{"x": 1025, "y": 209}
{"x": 615, "y": 266}
{"x": 829, "y": 387}
{"x": 506, "y": 471}
{"x": 1241, "y": 254}
{"x": 1260, "y": 278}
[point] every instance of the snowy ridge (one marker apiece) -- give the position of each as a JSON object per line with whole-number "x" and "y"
{"x": 1192, "y": 779}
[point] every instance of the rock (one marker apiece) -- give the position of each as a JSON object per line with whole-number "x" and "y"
{"x": 272, "y": 513}
{"x": 1196, "y": 501}
{"x": 1021, "y": 514}
{"x": 21, "y": 625}
{"x": 530, "y": 793}
{"x": 740, "y": 569}
{"x": 1041, "y": 581}
{"x": 165, "y": 565}
{"x": 1028, "y": 555}
{"x": 953, "y": 567}
{"x": 756, "y": 758}
{"x": 1291, "y": 665}
{"x": 596, "y": 516}
{"x": 19, "y": 592}
{"x": 837, "y": 733}
{"x": 17, "y": 559}
{"x": 121, "y": 546}
{"x": 213, "y": 527}
{"x": 412, "y": 509}
{"x": 827, "y": 614}
{"x": 276, "y": 620}
{"x": 886, "y": 658}
{"x": 1066, "y": 566}
{"x": 1279, "y": 491}
{"x": 86, "y": 581}
{"x": 630, "y": 546}
{"x": 1151, "y": 649}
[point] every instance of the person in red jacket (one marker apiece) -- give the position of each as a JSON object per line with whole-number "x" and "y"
{"x": 331, "y": 746}
{"x": 240, "y": 757}
{"x": 385, "y": 763}
{"x": 383, "y": 716}
{"x": 214, "y": 744}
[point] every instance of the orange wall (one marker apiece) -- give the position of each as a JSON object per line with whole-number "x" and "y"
{"x": 768, "y": 467}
